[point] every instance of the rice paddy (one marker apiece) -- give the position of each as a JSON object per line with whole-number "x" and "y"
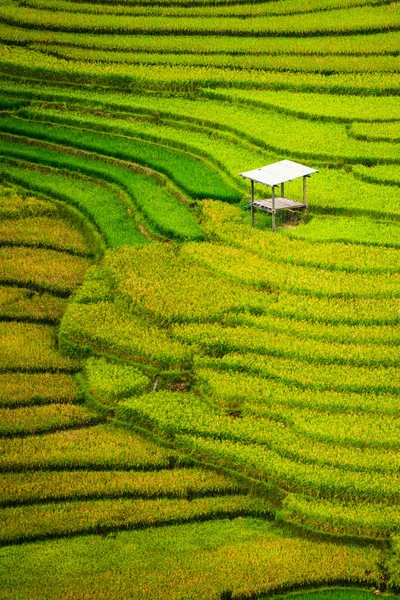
{"x": 192, "y": 407}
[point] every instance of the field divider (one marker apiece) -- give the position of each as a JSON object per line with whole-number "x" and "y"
{"x": 36, "y": 287}
{"x": 30, "y": 320}
{"x": 96, "y": 420}
{"x": 189, "y": 492}
{"x": 258, "y": 370}
{"x": 44, "y": 246}
{"x": 38, "y": 370}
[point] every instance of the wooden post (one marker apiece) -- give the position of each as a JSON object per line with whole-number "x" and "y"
{"x": 282, "y": 190}
{"x": 252, "y": 205}
{"x": 273, "y": 208}
{"x": 304, "y": 190}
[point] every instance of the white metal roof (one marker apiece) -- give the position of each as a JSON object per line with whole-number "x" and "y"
{"x": 279, "y": 172}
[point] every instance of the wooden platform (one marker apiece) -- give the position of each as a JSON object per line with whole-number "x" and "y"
{"x": 280, "y": 204}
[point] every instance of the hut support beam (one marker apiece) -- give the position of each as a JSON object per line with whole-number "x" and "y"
{"x": 252, "y": 205}
{"x": 273, "y": 208}
{"x": 305, "y": 190}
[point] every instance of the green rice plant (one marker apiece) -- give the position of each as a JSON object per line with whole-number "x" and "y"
{"x": 99, "y": 447}
{"x": 281, "y": 63}
{"x": 234, "y": 390}
{"x": 312, "y": 105}
{"x": 106, "y": 327}
{"x": 389, "y": 132}
{"x": 317, "y": 376}
{"x": 394, "y": 564}
{"x": 294, "y": 476}
{"x": 350, "y": 311}
{"x": 224, "y": 150}
{"x": 228, "y": 224}
{"x": 160, "y": 206}
{"x": 164, "y": 211}
{"x": 29, "y": 305}
{"x": 333, "y": 516}
{"x": 365, "y": 430}
{"x": 217, "y": 340}
{"x": 39, "y": 419}
{"x": 348, "y": 20}
{"x": 262, "y": 558}
{"x": 28, "y": 63}
{"x": 298, "y": 327}
{"x": 41, "y": 269}
{"x": 246, "y": 268}
{"x": 28, "y": 488}
{"x": 350, "y": 230}
{"x": 96, "y": 287}
{"x": 27, "y": 389}
{"x": 15, "y": 205}
{"x": 275, "y": 430}
{"x": 112, "y": 381}
{"x": 98, "y": 516}
{"x": 204, "y": 9}
{"x": 19, "y": 205}
{"x": 378, "y": 43}
{"x": 187, "y": 171}
{"x": 94, "y": 199}
{"x": 382, "y": 174}
{"x": 175, "y": 290}
{"x": 32, "y": 347}
{"x": 330, "y": 138}
{"x": 42, "y": 232}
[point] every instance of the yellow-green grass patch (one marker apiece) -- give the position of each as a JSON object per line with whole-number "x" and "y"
{"x": 100, "y": 447}
{"x": 39, "y": 419}
{"x": 107, "y": 327}
{"x": 112, "y": 381}
{"x": 48, "y": 270}
{"x": 27, "y": 488}
{"x": 244, "y": 267}
{"x": 171, "y": 414}
{"x": 32, "y": 347}
{"x": 298, "y": 327}
{"x": 100, "y": 516}
{"x": 15, "y": 204}
{"x": 294, "y": 474}
{"x": 24, "y": 389}
{"x": 175, "y": 289}
{"x": 26, "y": 304}
{"x": 235, "y": 558}
{"x": 232, "y": 389}
{"x": 43, "y": 232}
{"x": 231, "y": 226}
{"x": 217, "y": 340}
{"x": 333, "y": 516}
{"x": 316, "y": 376}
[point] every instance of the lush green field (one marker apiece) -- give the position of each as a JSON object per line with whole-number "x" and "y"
{"x": 191, "y": 407}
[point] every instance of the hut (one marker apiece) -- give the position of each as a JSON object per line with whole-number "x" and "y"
{"x": 273, "y": 175}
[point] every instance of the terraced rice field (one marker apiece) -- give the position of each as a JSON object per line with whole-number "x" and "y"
{"x": 191, "y": 407}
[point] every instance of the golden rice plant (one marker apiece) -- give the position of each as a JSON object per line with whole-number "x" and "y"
{"x": 38, "y": 419}
{"x": 22, "y": 389}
